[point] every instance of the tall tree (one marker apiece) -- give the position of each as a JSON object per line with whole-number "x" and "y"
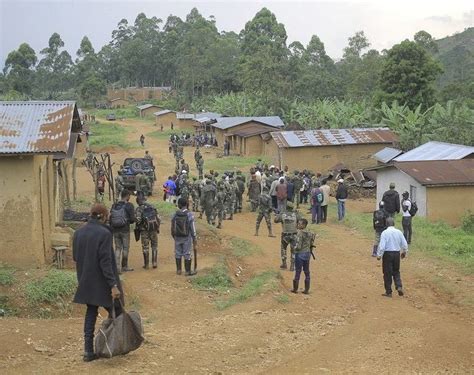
{"x": 19, "y": 69}
{"x": 264, "y": 61}
{"x": 408, "y": 75}
{"x": 425, "y": 40}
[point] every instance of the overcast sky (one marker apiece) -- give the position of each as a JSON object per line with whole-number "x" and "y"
{"x": 384, "y": 22}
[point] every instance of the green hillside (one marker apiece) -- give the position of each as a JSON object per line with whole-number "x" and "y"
{"x": 456, "y": 53}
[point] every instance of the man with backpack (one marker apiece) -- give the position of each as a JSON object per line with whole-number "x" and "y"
{"x": 122, "y": 214}
{"x": 148, "y": 225}
{"x": 380, "y": 224}
{"x": 183, "y": 230}
{"x": 391, "y": 200}
{"x": 409, "y": 209}
{"x": 317, "y": 197}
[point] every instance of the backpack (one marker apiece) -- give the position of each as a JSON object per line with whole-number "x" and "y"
{"x": 118, "y": 216}
{"x": 318, "y": 197}
{"x": 150, "y": 219}
{"x": 413, "y": 209}
{"x": 180, "y": 224}
{"x": 379, "y": 219}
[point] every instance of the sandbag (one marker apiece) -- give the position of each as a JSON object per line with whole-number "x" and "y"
{"x": 119, "y": 335}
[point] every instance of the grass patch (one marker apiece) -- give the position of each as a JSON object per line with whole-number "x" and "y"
{"x": 127, "y": 112}
{"x": 5, "y": 308}
{"x": 242, "y": 248}
{"x": 231, "y": 163}
{"x": 107, "y": 135}
{"x": 134, "y": 302}
{"x": 282, "y": 298}
{"x": 258, "y": 284}
{"x": 214, "y": 279}
{"x": 56, "y": 285}
{"x": 7, "y": 275}
{"x": 436, "y": 239}
{"x": 165, "y": 134}
{"x": 165, "y": 208}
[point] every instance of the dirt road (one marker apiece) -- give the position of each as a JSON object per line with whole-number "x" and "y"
{"x": 343, "y": 326}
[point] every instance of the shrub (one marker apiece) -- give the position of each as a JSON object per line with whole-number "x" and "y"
{"x": 6, "y": 275}
{"x": 56, "y": 285}
{"x": 468, "y": 222}
{"x": 217, "y": 278}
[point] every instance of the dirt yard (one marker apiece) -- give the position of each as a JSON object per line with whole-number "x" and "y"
{"x": 343, "y": 326}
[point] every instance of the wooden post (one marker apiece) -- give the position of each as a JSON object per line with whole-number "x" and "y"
{"x": 66, "y": 182}
{"x": 74, "y": 181}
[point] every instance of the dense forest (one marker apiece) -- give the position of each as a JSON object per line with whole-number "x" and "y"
{"x": 422, "y": 88}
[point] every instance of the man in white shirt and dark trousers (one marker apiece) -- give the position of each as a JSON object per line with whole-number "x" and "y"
{"x": 406, "y": 218}
{"x": 392, "y": 247}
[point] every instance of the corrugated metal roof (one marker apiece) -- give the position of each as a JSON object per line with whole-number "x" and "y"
{"x": 386, "y": 154}
{"x": 36, "y": 126}
{"x": 114, "y": 100}
{"x": 229, "y": 122}
{"x": 437, "y": 151}
{"x": 250, "y": 131}
{"x": 163, "y": 112}
{"x": 146, "y": 106}
{"x": 200, "y": 115}
{"x": 333, "y": 137}
{"x": 439, "y": 172}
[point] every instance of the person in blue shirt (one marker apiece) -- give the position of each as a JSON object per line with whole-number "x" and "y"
{"x": 392, "y": 247}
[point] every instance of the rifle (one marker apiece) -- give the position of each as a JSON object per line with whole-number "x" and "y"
{"x": 136, "y": 231}
{"x": 195, "y": 258}
{"x": 313, "y": 246}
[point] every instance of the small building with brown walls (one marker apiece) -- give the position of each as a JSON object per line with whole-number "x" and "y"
{"x": 244, "y": 133}
{"x": 119, "y": 103}
{"x": 36, "y": 139}
{"x": 186, "y": 121}
{"x": 165, "y": 118}
{"x": 146, "y": 110}
{"x": 139, "y": 94}
{"x": 319, "y": 150}
{"x": 438, "y": 176}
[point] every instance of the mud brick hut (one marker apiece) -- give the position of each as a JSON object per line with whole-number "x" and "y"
{"x": 439, "y": 177}
{"x": 37, "y": 145}
{"x": 165, "y": 117}
{"x": 148, "y": 109}
{"x": 319, "y": 150}
{"x": 139, "y": 94}
{"x": 118, "y": 103}
{"x": 245, "y": 133}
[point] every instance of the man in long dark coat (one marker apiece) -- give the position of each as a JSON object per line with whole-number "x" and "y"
{"x": 97, "y": 275}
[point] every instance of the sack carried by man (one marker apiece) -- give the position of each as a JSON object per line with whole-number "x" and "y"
{"x": 119, "y": 335}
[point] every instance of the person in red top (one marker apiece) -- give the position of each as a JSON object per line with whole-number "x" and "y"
{"x": 282, "y": 195}
{"x": 101, "y": 185}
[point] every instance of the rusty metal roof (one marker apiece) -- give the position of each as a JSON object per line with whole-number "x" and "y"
{"x": 439, "y": 172}
{"x": 36, "y": 126}
{"x": 437, "y": 151}
{"x": 146, "y": 106}
{"x": 333, "y": 137}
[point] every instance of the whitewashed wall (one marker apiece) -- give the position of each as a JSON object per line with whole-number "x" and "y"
{"x": 402, "y": 183}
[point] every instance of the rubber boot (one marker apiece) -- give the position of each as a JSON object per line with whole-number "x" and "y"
{"x": 295, "y": 287}
{"x": 146, "y": 260}
{"x": 154, "y": 258}
{"x": 283, "y": 264}
{"x": 178, "y": 266}
{"x": 306, "y": 287}
{"x": 256, "y": 231}
{"x": 270, "y": 233}
{"x": 219, "y": 225}
{"x": 231, "y": 217}
{"x": 125, "y": 267}
{"x": 374, "y": 251}
{"x": 292, "y": 265}
{"x": 187, "y": 267}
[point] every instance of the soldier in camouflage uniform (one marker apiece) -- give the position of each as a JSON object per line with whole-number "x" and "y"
{"x": 208, "y": 195}
{"x": 219, "y": 208}
{"x": 142, "y": 184}
{"x": 147, "y": 235}
{"x": 185, "y": 189}
{"x": 184, "y": 166}
{"x": 195, "y": 193}
{"x": 264, "y": 211}
{"x": 118, "y": 184}
{"x": 253, "y": 192}
{"x": 298, "y": 184}
{"x": 289, "y": 220}
{"x": 240, "y": 182}
{"x": 200, "y": 166}
{"x": 231, "y": 198}
{"x": 303, "y": 247}
{"x": 197, "y": 156}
